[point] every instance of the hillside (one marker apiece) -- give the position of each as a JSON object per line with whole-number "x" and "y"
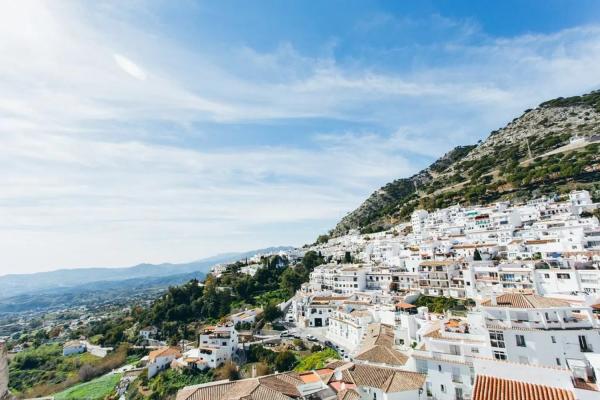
{"x": 19, "y": 284}
{"x": 532, "y": 155}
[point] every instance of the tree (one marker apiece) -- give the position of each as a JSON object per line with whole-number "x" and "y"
{"x": 87, "y": 372}
{"x": 291, "y": 280}
{"x": 227, "y": 371}
{"x": 476, "y": 255}
{"x": 285, "y": 361}
{"x": 272, "y": 312}
{"x": 323, "y": 239}
{"x": 348, "y": 258}
{"x": 262, "y": 369}
{"x": 312, "y": 259}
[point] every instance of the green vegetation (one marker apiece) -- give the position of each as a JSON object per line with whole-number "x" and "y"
{"x": 456, "y": 154}
{"x": 96, "y": 389}
{"x": 442, "y": 304}
{"x": 44, "y": 370}
{"x": 167, "y": 383}
{"x": 322, "y": 239}
{"x": 590, "y": 99}
{"x": 276, "y": 361}
{"x": 193, "y": 303}
{"x": 316, "y": 360}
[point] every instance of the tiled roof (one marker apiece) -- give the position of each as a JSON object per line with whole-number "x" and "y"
{"x": 348, "y": 394}
{"x": 337, "y": 364}
{"x": 164, "y": 352}
{"x": 387, "y": 379}
{"x": 272, "y": 387}
{"x": 383, "y": 355}
{"x": 379, "y": 334}
{"x": 492, "y": 388}
{"x": 434, "y": 263}
{"x": 518, "y": 300}
{"x": 284, "y": 383}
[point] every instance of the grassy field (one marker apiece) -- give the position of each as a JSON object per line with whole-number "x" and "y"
{"x": 96, "y": 389}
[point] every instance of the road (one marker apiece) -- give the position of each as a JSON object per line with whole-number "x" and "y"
{"x": 320, "y": 333}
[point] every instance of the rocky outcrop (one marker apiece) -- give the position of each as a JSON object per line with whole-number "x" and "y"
{"x": 4, "y": 393}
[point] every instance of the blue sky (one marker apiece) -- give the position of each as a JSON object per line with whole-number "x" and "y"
{"x": 167, "y": 131}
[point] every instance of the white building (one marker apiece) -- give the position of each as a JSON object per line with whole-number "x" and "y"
{"x": 532, "y": 329}
{"x": 73, "y": 347}
{"x": 161, "y": 359}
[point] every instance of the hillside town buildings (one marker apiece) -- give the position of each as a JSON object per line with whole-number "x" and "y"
{"x": 525, "y": 282}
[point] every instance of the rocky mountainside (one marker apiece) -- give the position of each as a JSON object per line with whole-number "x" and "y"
{"x": 550, "y": 149}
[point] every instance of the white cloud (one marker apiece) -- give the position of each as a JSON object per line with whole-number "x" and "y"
{"x": 86, "y": 180}
{"x": 130, "y": 67}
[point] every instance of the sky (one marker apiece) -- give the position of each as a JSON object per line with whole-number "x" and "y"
{"x": 160, "y": 131}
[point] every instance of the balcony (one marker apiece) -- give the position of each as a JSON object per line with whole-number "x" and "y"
{"x": 568, "y": 323}
{"x": 444, "y": 357}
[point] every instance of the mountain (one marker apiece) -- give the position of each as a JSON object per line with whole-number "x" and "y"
{"x": 20, "y": 284}
{"x": 550, "y": 149}
{"x": 93, "y": 294}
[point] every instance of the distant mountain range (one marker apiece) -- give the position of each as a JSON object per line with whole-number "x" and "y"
{"x": 551, "y": 149}
{"x": 69, "y": 280}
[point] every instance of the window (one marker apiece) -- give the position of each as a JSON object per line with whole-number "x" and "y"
{"x": 443, "y": 388}
{"x": 583, "y": 346}
{"x": 498, "y": 355}
{"x": 563, "y": 276}
{"x": 497, "y": 339}
{"x": 558, "y": 361}
{"x": 521, "y": 341}
{"x": 553, "y": 339}
{"x": 439, "y": 368}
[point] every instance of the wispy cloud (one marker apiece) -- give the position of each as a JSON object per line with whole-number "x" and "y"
{"x": 101, "y": 122}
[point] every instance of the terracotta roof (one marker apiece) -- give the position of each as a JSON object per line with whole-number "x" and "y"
{"x": 540, "y": 241}
{"x": 389, "y": 380}
{"x": 518, "y": 300}
{"x": 164, "y": 352}
{"x": 308, "y": 377}
{"x": 404, "y": 305}
{"x": 434, "y": 263}
{"x": 378, "y": 334}
{"x": 338, "y": 364}
{"x": 348, "y": 394}
{"x": 284, "y": 383}
{"x": 272, "y": 387}
{"x": 473, "y": 245}
{"x": 492, "y": 388}
{"x": 382, "y": 355}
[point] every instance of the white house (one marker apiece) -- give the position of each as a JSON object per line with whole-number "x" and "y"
{"x": 161, "y": 359}
{"x": 73, "y": 347}
{"x": 149, "y": 332}
{"x": 532, "y": 329}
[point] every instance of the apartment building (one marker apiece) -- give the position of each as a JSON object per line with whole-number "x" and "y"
{"x": 532, "y": 329}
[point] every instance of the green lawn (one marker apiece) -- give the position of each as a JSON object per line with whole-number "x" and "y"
{"x": 96, "y": 389}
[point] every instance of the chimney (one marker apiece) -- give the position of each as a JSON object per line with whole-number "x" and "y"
{"x": 493, "y": 301}
{"x": 254, "y": 370}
